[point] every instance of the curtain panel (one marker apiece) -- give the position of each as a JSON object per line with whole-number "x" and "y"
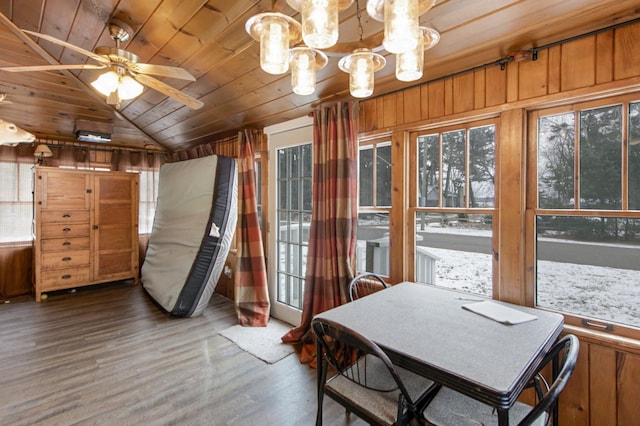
{"x": 332, "y": 239}
{"x": 250, "y": 281}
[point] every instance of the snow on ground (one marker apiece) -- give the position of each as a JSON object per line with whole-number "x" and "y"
{"x": 602, "y": 293}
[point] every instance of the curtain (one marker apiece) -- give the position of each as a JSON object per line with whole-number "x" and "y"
{"x": 332, "y": 239}
{"x": 250, "y": 282}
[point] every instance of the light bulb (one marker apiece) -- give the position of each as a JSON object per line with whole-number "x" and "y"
{"x": 400, "y": 25}
{"x": 319, "y": 23}
{"x": 274, "y": 45}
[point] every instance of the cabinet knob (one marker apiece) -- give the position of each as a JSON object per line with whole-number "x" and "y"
{"x": 95, "y": 226}
{"x": 65, "y": 276}
{"x": 66, "y": 259}
{"x": 66, "y": 229}
{"x": 66, "y": 243}
{"x": 66, "y": 215}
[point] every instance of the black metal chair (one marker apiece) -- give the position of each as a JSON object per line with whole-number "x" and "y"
{"x": 449, "y": 407}
{"x": 365, "y": 381}
{"x": 365, "y": 284}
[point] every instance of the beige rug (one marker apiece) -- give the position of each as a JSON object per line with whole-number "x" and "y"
{"x": 262, "y": 342}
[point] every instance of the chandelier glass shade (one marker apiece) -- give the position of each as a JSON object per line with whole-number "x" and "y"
{"x": 410, "y": 65}
{"x": 304, "y": 63}
{"x": 281, "y": 46}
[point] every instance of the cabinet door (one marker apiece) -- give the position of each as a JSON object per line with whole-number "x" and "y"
{"x": 63, "y": 189}
{"x": 115, "y": 227}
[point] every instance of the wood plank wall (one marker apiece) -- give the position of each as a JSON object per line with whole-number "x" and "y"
{"x": 604, "y": 387}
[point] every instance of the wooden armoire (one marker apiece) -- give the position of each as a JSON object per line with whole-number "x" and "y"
{"x": 85, "y": 228}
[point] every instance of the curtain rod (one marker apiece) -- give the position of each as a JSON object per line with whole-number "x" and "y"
{"x": 533, "y": 51}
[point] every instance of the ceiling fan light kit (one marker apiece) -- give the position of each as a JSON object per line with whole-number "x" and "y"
{"x": 126, "y": 76}
{"x": 319, "y": 29}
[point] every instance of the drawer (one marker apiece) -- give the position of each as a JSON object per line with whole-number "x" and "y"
{"x": 63, "y": 260}
{"x": 65, "y": 244}
{"x": 64, "y": 230}
{"x": 64, "y": 216}
{"x": 64, "y": 278}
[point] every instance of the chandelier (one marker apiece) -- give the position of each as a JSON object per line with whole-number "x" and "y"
{"x": 286, "y": 44}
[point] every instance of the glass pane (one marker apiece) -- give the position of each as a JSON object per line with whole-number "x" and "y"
{"x": 372, "y": 247}
{"x": 454, "y": 251}
{"x": 307, "y": 160}
{"x": 294, "y": 192}
{"x": 366, "y": 177}
{"x": 283, "y": 171}
{"x": 283, "y": 186}
{"x": 283, "y": 294}
{"x": 282, "y": 257}
{"x": 307, "y": 194}
{"x": 556, "y": 142}
{"x": 294, "y": 158}
{"x": 26, "y": 182}
{"x": 258, "y": 170}
{"x": 453, "y": 168}
{"x": 601, "y": 158}
{"x": 482, "y": 166}
{"x": 383, "y": 176}
{"x": 428, "y": 171}
{"x": 589, "y": 266}
{"x": 634, "y": 156}
{"x": 306, "y": 228}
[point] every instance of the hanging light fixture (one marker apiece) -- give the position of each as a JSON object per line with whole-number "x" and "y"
{"x": 279, "y": 36}
{"x": 400, "y": 19}
{"x": 276, "y": 32}
{"x": 320, "y": 20}
{"x": 304, "y": 63}
{"x": 117, "y": 86}
{"x": 409, "y": 65}
{"x": 361, "y": 65}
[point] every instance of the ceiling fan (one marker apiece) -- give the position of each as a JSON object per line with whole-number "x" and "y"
{"x": 124, "y": 68}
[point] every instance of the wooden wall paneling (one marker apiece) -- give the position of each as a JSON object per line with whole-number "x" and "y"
{"x": 554, "y": 63}
{"x": 367, "y": 116}
{"x": 495, "y": 86}
{"x": 448, "y": 96}
{"x": 532, "y": 76}
{"x": 512, "y": 71}
{"x": 424, "y": 101}
{"x": 628, "y": 370}
{"x": 479, "y": 89}
{"x": 392, "y": 110}
{"x": 573, "y": 404}
{"x": 15, "y": 270}
{"x": 436, "y": 99}
{"x": 512, "y": 207}
{"x": 379, "y": 120}
{"x": 604, "y": 53}
{"x": 578, "y": 63}
{"x": 463, "y": 92}
{"x": 411, "y": 105}
{"x": 602, "y": 380}
{"x": 626, "y": 61}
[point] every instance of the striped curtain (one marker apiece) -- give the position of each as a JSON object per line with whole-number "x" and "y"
{"x": 334, "y": 219}
{"x": 250, "y": 282}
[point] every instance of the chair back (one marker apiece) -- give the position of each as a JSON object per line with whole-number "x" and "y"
{"x": 355, "y": 357}
{"x": 562, "y": 357}
{"x": 365, "y": 284}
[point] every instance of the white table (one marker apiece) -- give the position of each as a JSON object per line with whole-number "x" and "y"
{"x": 425, "y": 329}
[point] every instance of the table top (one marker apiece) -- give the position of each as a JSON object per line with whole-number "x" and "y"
{"x": 425, "y": 329}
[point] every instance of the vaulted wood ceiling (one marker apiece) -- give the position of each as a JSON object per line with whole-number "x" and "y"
{"x": 208, "y": 39}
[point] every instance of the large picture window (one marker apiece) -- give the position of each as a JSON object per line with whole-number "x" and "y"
{"x": 587, "y": 217}
{"x": 454, "y": 181}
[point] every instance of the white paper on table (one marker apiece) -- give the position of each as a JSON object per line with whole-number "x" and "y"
{"x": 500, "y": 313}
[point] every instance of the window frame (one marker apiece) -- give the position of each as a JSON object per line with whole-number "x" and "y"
{"x": 533, "y": 210}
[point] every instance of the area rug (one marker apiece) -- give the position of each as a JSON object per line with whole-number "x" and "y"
{"x": 262, "y": 342}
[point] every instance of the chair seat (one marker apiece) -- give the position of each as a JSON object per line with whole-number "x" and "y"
{"x": 380, "y": 405}
{"x": 449, "y": 407}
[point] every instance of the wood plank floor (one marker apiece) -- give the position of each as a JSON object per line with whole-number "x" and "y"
{"x": 107, "y": 355}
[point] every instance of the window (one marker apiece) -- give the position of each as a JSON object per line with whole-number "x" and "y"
{"x": 148, "y": 197}
{"x": 453, "y": 180}
{"x": 294, "y": 186}
{"x": 372, "y": 249}
{"x": 16, "y": 198}
{"x": 587, "y": 212}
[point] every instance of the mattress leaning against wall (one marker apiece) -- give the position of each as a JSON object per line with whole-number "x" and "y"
{"x": 196, "y": 216}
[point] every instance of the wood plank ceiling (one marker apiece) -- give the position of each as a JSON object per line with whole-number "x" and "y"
{"x": 208, "y": 39}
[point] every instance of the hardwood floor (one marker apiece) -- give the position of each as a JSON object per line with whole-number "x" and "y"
{"x": 108, "y": 355}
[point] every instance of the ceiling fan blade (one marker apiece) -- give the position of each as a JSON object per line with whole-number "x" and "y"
{"x": 53, "y": 67}
{"x": 70, "y": 46}
{"x": 162, "y": 70}
{"x": 172, "y": 92}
